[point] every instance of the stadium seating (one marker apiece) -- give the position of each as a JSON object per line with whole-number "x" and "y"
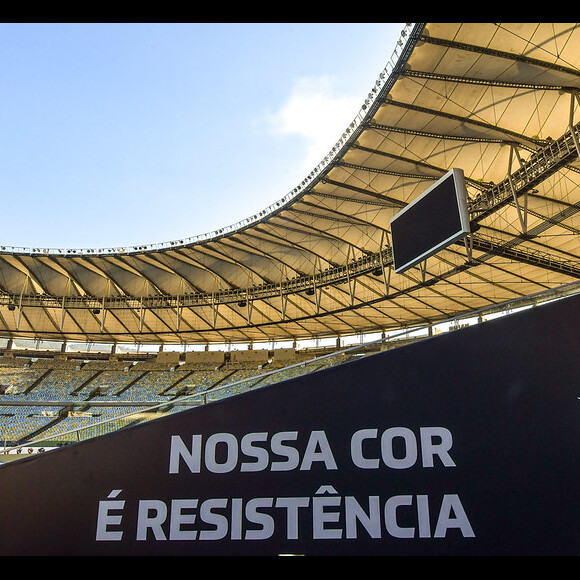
{"x": 52, "y": 398}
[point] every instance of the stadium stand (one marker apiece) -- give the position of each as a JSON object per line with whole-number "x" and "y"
{"x": 46, "y": 396}
{"x": 49, "y": 399}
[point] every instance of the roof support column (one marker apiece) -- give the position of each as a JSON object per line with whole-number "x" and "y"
{"x": 103, "y": 314}
{"x": 423, "y": 270}
{"x": 468, "y": 241}
{"x": 62, "y": 312}
{"x": 249, "y": 306}
{"x": 24, "y": 289}
{"x": 522, "y": 212}
{"x": 348, "y": 279}
{"x": 283, "y": 299}
{"x": 214, "y": 309}
{"x": 386, "y": 274}
{"x": 574, "y": 96}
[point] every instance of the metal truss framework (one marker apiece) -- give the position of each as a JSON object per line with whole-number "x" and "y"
{"x": 497, "y": 100}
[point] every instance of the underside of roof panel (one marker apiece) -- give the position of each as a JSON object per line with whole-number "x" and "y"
{"x": 498, "y": 101}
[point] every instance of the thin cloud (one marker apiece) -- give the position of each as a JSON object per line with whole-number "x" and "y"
{"x": 315, "y": 113}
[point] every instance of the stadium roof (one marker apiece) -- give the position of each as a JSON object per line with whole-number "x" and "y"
{"x": 499, "y": 101}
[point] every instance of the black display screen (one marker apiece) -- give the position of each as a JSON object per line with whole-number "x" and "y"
{"x": 434, "y": 220}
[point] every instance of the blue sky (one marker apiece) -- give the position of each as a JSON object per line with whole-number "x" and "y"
{"x": 121, "y": 134}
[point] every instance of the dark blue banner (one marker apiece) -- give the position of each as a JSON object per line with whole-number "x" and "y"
{"x": 463, "y": 444}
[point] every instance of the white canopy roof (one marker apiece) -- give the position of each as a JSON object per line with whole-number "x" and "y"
{"x": 499, "y": 101}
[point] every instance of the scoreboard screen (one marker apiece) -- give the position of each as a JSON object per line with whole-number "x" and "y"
{"x": 437, "y": 218}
